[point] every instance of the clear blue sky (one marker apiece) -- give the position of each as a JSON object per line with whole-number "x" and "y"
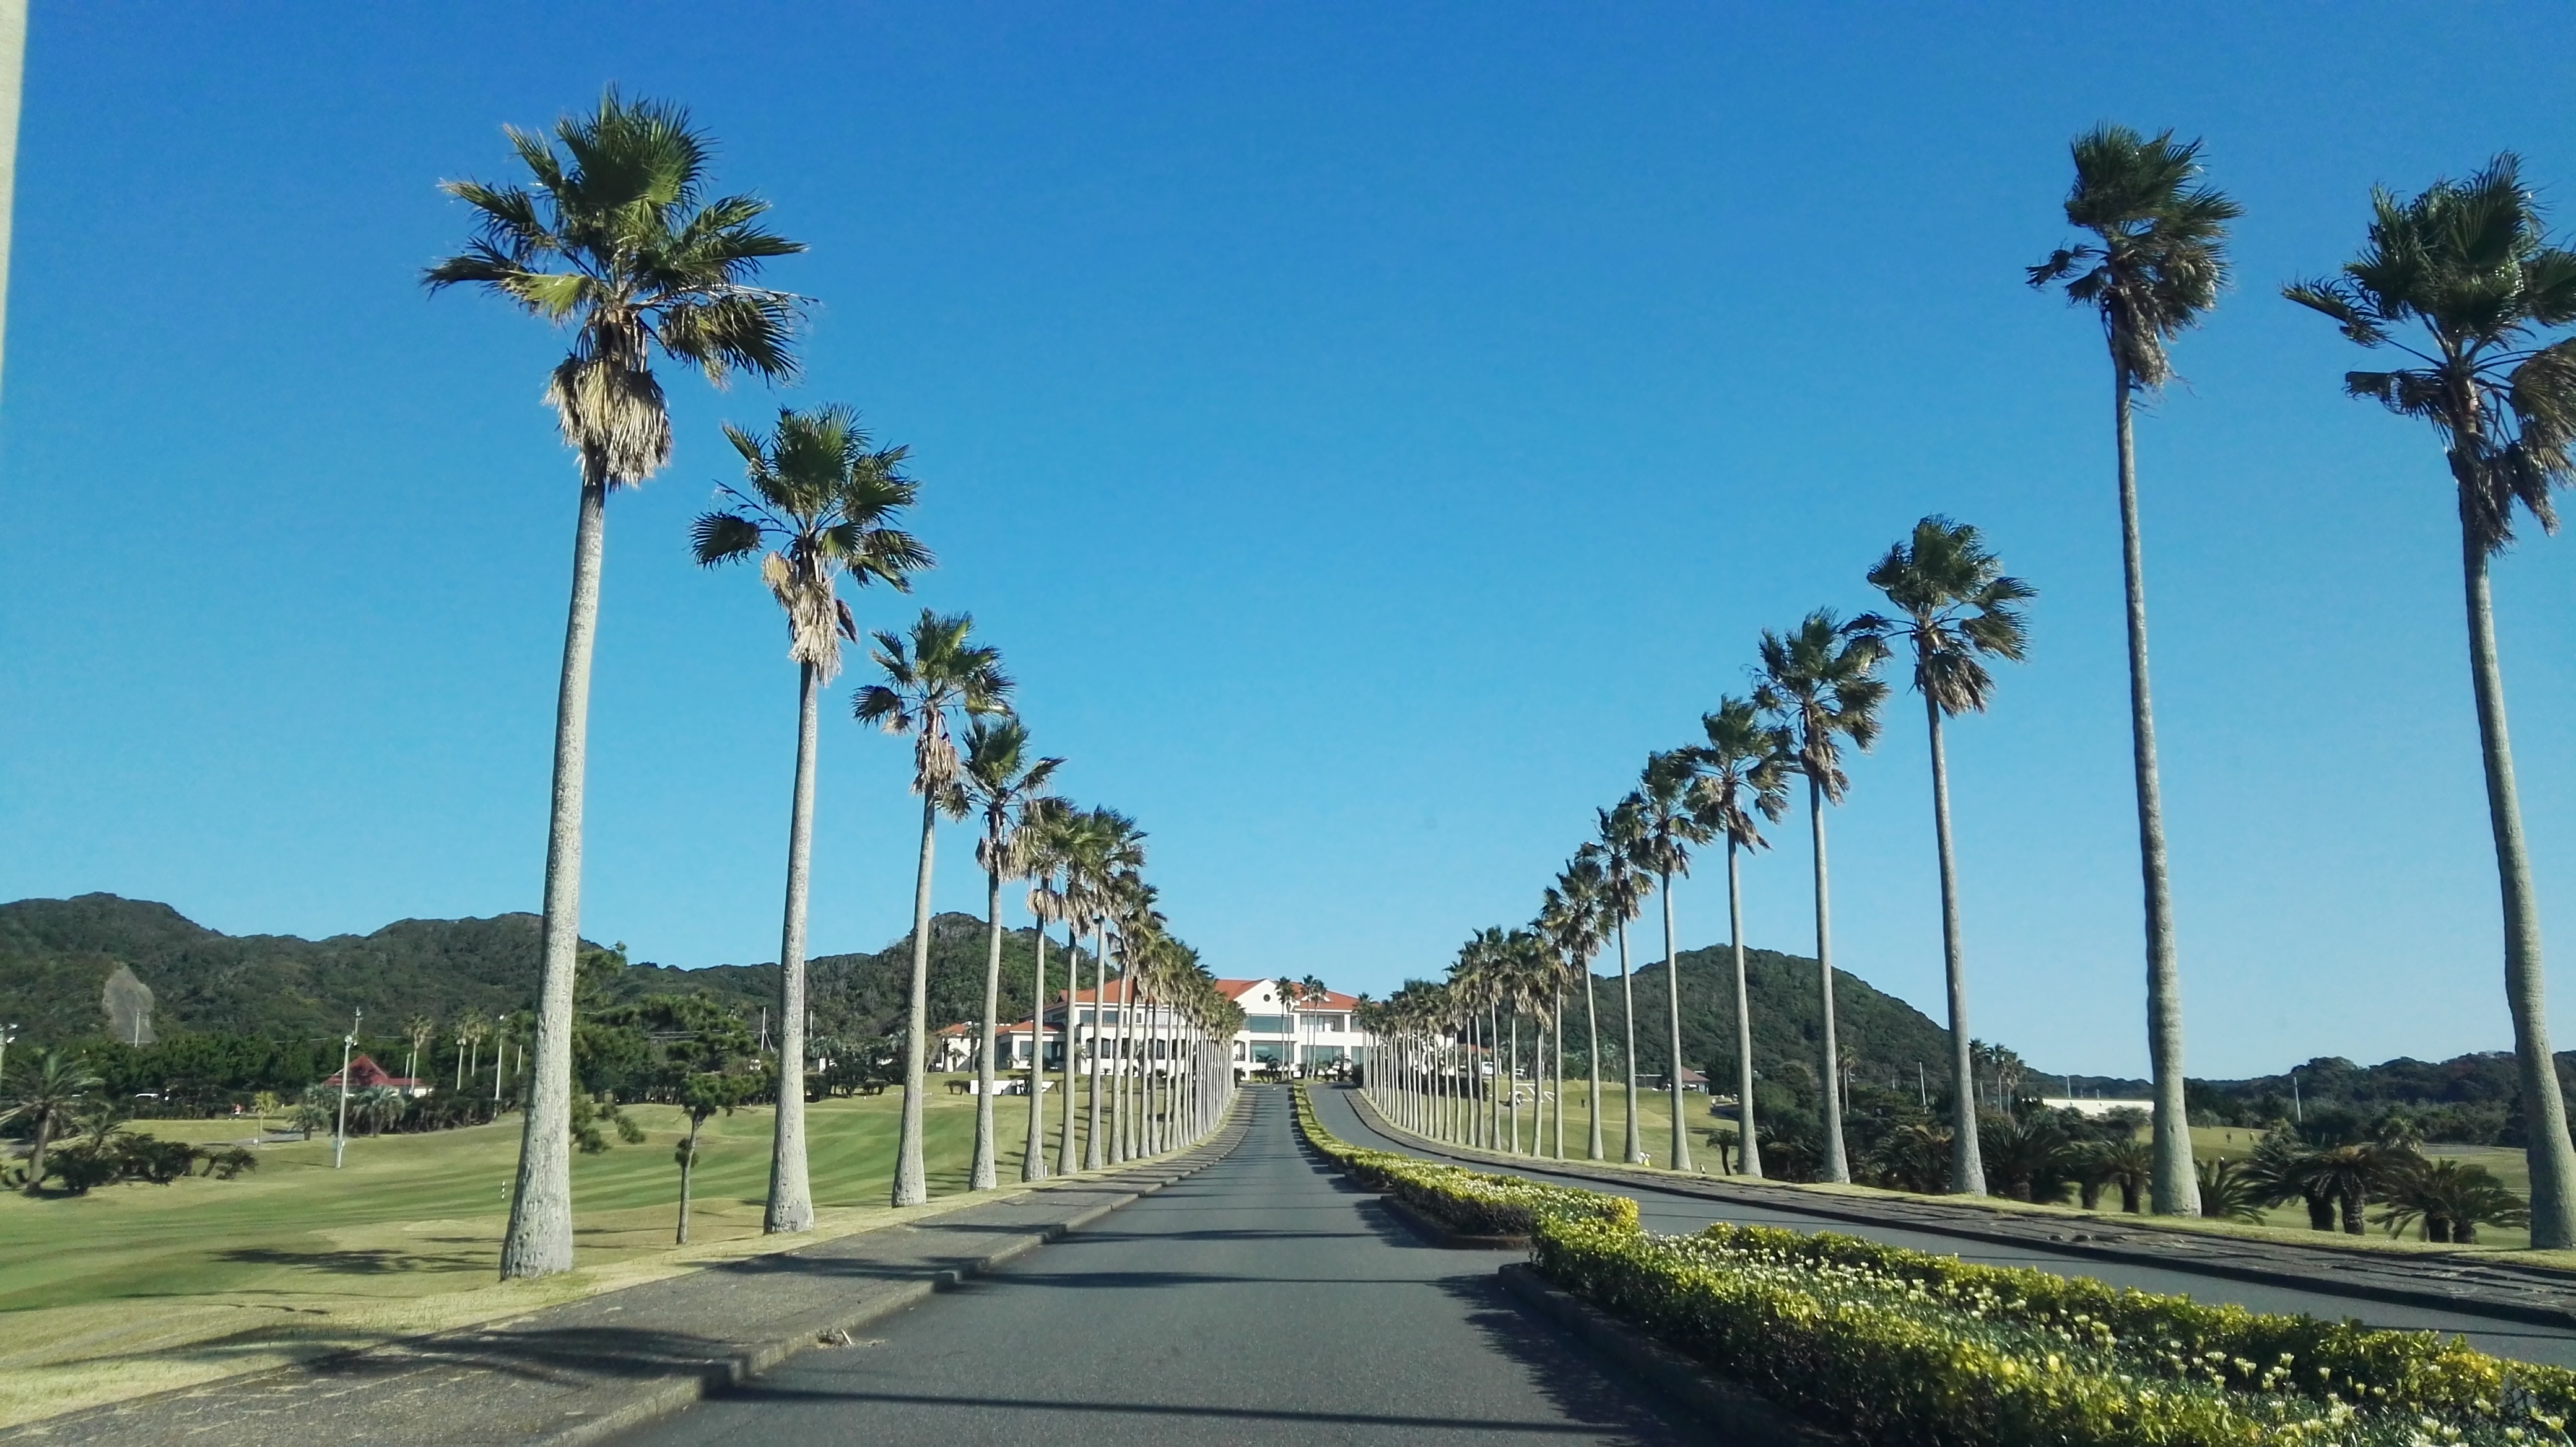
{"x": 1368, "y": 431}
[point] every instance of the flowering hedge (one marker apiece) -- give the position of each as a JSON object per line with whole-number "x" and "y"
{"x": 1470, "y": 1202}
{"x": 1908, "y": 1347}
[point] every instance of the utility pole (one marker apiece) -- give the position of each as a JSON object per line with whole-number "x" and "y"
{"x": 1922, "y": 1086}
{"x": 8, "y": 1033}
{"x": 348, "y": 1043}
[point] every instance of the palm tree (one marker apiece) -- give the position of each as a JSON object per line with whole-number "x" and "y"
{"x": 1006, "y": 784}
{"x": 1956, "y": 606}
{"x": 1585, "y": 925}
{"x": 824, "y": 495}
{"x": 1740, "y": 766}
{"x": 1671, "y": 818}
{"x": 932, "y": 674}
{"x": 1038, "y": 846}
{"x": 2465, "y": 268}
{"x": 618, "y": 243}
{"x": 1566, "y": 929}
{"x": 1623, "y": 898}
{"x": 2158, "y": 261}
{"x": 47, "y": 1094}
{"x": 1819, "y": 682}
{"x": 419, "y": 1030}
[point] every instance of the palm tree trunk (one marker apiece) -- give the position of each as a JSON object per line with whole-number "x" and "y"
{"x": 1514, "y": 1085}
{"x": 1837, "y": 1169}
{"x": 1122, "y": 1115}
{"x": 1033, "y": 1151}
{"x": 1967, "y": 1164}
{"x": 688, "y": 1164}
{"x": 1592, "y": 1025}
{"x": 539, "y": 1239}
{"x": 1064, "y": 1157}
{"x": 2177, "y": 1187}
{"x": 1681, "y": 1160}
{"x": 911, "y": 1181}
{"x": 791, "y": 1200}
{"x": 1636, "y": 1148}
{"x": 1556, "y": 1025}
{"x": 1091, "y": 1143}
{"x": 2544, "y": 1107}
{"x": 983, "y": 1177}
{"x": 1748, "y": 1151}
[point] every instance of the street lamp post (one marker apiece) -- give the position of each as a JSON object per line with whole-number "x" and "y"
{"x": 8, "y": 1033}
{"x": 348, "y": 1043}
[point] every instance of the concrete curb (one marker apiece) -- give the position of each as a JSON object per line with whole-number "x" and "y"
{"x": 671, "y": 1397}
{"x": 2445, "y": 1293}
{"x": 1735, "y": 1413}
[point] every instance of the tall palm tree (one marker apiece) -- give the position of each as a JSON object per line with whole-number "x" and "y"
{"x": 418, "y": 1031}
{"x": 1819, "y": 683}
{"x": 1957, "y": 606}
{"x": 1671, "y": 818}
{"x": 46, "y": 1093}
{"x": 822, "y": 500}
{"x": 2466, "y": 271}
{"x": 618, "y": 243}
{"x": 1740, "y": 766}
{"x": 2156, "y": 264}
{"x": 1586, "y": 927}
{"x": 1039, "y": 844}
{"x": 1623, "y": 898}
{"x": 1565, "y": 926}
{"x": 932, "y": 675}
{"x": 1005, "y": 783}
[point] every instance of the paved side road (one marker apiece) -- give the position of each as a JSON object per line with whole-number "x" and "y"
{"x": 1672, "y": 1212}
{"x": 1260, "y": 1301}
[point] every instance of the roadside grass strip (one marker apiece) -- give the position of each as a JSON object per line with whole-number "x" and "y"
{"x": 1899, "y": 1346}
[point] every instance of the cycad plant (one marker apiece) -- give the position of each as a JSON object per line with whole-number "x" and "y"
{"x": 618, "y": 243}
{"x": 1740, "y": 775}
{"x": 1671, "y": 817}
{"x": 1819, "y": 683}
{"x": 933, "y": 675}
{"x": 1005, "y": 784}
{"x": 2462, "y": 280}
{"x": 1957, "y": 607}
{"x": 1623, "y": 898}
{"x": 47, "y": 1093}
{"x": 2155, "y": 265}
{"x": 819, "y": 501}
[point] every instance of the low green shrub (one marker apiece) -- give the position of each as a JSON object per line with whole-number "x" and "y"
{"x": 1906, "y": 1347}
{"x": 1470, "y": 1202}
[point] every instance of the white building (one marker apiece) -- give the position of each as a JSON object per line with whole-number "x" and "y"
{"x": 1318, "y": 1035}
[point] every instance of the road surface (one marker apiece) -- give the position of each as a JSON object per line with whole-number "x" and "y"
{"x": 1259, "y": 1301}
{"x": 1673, "y": 1214}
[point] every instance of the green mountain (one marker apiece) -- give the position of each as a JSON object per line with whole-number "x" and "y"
{"x": 1879, "y": 1035}
{"x": 57, "y": 956}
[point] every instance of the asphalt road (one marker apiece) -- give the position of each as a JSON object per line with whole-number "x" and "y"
{"x": 1673, "y": 1214}
{"x": 1258, "y": 1301}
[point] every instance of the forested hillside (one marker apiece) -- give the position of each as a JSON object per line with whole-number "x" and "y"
{"x": 56, "y": 956}
{"x": 1880, "y": 1035}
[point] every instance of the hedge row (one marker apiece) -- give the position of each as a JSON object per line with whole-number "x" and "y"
{"x": 1470, "y": 1202}
{"x": 1907, "y": 1347}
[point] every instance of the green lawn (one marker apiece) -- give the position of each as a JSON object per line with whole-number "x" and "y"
{"x": 154, "y": 1286}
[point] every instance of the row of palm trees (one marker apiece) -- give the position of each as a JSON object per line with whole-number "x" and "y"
{"x": 616, "y": 238}
{"x": 1814, "y": 686}
{"x": 2462, "y": 281}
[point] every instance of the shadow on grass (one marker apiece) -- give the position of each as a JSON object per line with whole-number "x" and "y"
{"x": 360, "y": 1263}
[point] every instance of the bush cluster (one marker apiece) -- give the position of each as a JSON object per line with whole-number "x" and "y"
{"x": 1909, "y": 1347}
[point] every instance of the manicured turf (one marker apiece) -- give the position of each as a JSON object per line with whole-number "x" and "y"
{"x": 137, "y": 1287}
